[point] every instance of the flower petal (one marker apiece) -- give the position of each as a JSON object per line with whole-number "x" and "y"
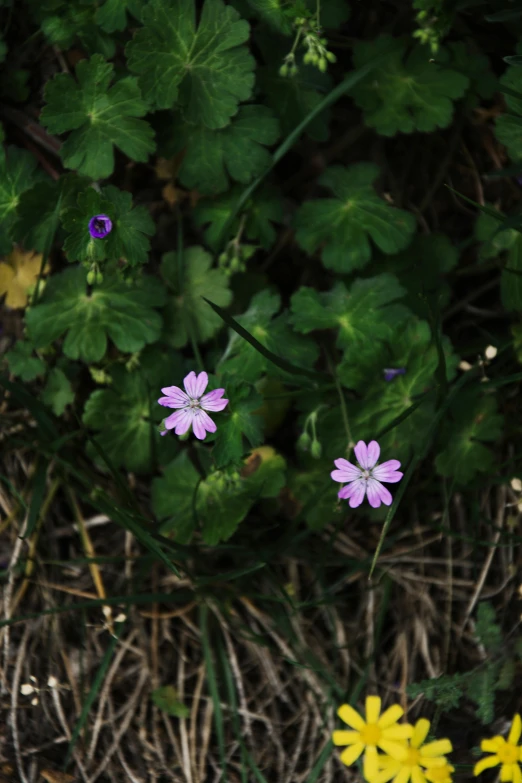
{"x": 373, "y": 708}
{"x": 485, "y": 763}
{"x": 506, "y": 772}
{"x": 387, "y": 471}
{"x": 347, "y": 471}
{"x": 420, "y": 732}
{"x": 213, "y": 402}
{"x": 354, "y": 491}
{"x": 370, "y": 763}
{"x": 403, "y": 776}
{"x": 343, "y": 737}
{"x": 361, "y": 452}
{"x": 417, "y": 775}
{"x": 437, "y": 748}
{"x": 202, "y": 424}
{"x": 491, "y": 745}
{"x": 397, "y": 750}
{"x": 374, "y": 451}
{"x": 390, "y": 716}
{"x": 517, "y": 774}
{"x": 377, "y": 494}
{"x": 388, "y": 772}
{"x": 515, "y": 731}
{"x": 400, "y": 731}
{"x": 351, "y": 717}
{"x": 179, "y": 421}
{"x": 433, "y": 763}
{"x": 352, "y": 753}
{"x": 195, "y": 385}
{"x": 176, "y": 397}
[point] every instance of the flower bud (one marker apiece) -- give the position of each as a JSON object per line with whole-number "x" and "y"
{"x": 304, "y": 441}
{"x": 322, "y": 64}
{"x": 316, "y": 449}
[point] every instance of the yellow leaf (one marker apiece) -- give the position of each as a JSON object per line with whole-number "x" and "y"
{"x": 18, "y": 274}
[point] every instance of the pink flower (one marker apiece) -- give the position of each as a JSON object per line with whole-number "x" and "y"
{"x": 192, "y": 405}
{"x": 367, "y": 476}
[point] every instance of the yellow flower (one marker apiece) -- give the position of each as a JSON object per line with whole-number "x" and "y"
{"x": 18, "y": 274}
{"x": 372, "y": 733}
{"x": 507, "y": 753}
{"x": 408, "y": 765}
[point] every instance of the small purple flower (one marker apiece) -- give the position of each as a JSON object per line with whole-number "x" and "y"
{"x": 100, "y": 226}
{"x": 192, "y": 405}
{"x": 367, "y": 477}
{"x": 390, "y": 373}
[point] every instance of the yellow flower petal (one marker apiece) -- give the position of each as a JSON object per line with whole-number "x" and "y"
{"x": 401, "y": 731}
{"x": 506, "y": 772}
{"x": 387, "y": 773}
{"x": 420, "y": 732}
{"x": 417, "y": 775}
{"x": 396, "y": 750}
{"x": 486, "y": 763}
{"x": 515, "y": 731}
{"x": 437, "y": 748}
{"x": 351, "y": 754}
{"x": 370, "y": 763}
{"x": 345, "y": 737}
{"x": 351, "y": 717}
{"x": 517, "y": 774}
{"x": 491, "y": 745}
{"x": 390, "y": 716}
{"x": 438, "y": 761}
{"x": 373, "y": 708}
{"x": 403, "y": 776}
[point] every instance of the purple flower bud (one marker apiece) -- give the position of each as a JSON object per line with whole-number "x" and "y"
{"x": 100, "y": 226}
{"x": 390, "y": 373}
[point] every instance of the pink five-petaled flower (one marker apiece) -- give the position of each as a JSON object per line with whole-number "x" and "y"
{"x": 192, "y": 405}
{"x": 367, "y": 476}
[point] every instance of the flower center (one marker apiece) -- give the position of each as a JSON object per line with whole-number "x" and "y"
{"x": 366, "y": 474}
{"x": 194, "y": 403}
{"x": 412, "y": 759}
{"x": 371, "y": 734}
{"x": 508, "y": 754}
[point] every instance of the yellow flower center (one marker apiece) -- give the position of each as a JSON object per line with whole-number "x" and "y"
{"x": 508, "y": 754}
{"x": 371, "y": 734}
{"x": 412, "y": 759}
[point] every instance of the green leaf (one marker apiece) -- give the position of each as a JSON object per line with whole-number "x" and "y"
{"x": 186, "y": 312}
{"x": 366, "y": 312}
{"x": 473, "y": 64}
{"x": 474, "y": 421}
{"x": 511, "y": 277}
{"x": 240, "y": 422}
{"x": 17, "y": 174}
{"x": 116, "y": 309}
{"x": 342, "y": 226}
{"x": 182, "y": 500}
{"x": 22, "y": 363}
{"x": 167, "y": 700}
{"x": 421, "y": 269}
{"x": 112, "y": 15}
{"x": 70, "y": 23}
{"x": 126, "y": 415}
{"x": 41, "y": 208}
{"x": 494, "y": 241}
{"x": 256, "y": 220}
{"x": 237, "y": 151}
{"x": 130, "y": 225}
{"x": 487, "y": 631}
{"x": 101, "y": 117}
{"x": 58, "y": 392}
{"x": 205, "y": 70}
{"x": 241, "y": 359}
{"x": 408, "y": 92}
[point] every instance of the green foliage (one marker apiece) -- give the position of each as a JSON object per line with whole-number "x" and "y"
{"x": 167, "y": 700}
{"x": 511, "y": 277}
{"x": 65, "y": 22}
{"x": 187, "y": 315}
{"x": 508, "y": 127}
{"x": 125, "y": 416}
{"x": 58, "y": 392}
{"x": 17, "y": 174}
{"x": 242, "y": 361}
{"x": 493, "y": 237}
{"x": 474, "y": 421}
{"x": 342, "y": 227}
{"x": 254, "y": 224}
{"x": 206, "y": 71}
{"x": 219, "y": 502}
{"x": 120, "y": 310}
{"x": 243, "y": 423}
{"x": 100, "y": 118}
{"x": 212, "y": 156}
{"x": 408, "y": 92}
{"x": 22, "y": 363}
{"x": 368, "y": 311}
{"x": 130, "y": 225}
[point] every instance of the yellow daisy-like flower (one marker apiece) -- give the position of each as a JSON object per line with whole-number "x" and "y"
{"x": 506, "y": 753}
{"x": 409, "y": 765}
{"x": 377, "y": 731}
